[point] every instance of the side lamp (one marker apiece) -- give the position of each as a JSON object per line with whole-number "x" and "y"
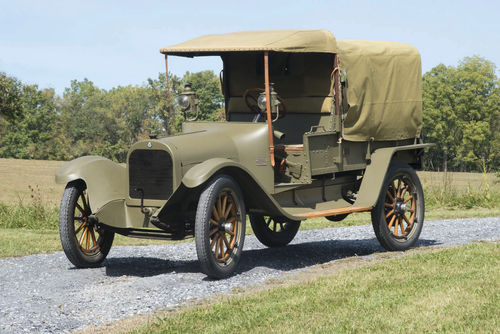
{"x": 188, "y": 100}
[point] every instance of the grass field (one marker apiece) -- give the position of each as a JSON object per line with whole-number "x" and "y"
{"x": 16, "y": 176}
{"x": 29, "y": 200}
{"x": 428, "y": 290}
{"x": 459, "y": 181}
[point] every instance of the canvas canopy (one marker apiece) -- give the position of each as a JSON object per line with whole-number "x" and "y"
{"x": 383, "y": 91}
{"x": 382, "y": 97}
{"x": 320, "y": 41}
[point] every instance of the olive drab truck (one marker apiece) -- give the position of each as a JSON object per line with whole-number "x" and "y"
{"x": 315, "y": 127}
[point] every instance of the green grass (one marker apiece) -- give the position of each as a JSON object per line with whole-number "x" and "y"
{"x": 460, "y": 190}
{"x": 453, "y": 290}
{"x": 33, "y": 217}
{"x": 450, "y": 197}
{"x": 21, "y": 242}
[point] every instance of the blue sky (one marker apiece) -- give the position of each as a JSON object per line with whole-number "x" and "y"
{"x": 116, "y": 43}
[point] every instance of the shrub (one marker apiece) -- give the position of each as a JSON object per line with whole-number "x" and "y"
{"x": 447, "y": 195}
{"x": 36, "y": 215}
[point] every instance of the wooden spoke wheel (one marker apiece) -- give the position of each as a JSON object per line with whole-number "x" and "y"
{"x": 399, "y": 207}
{"x": 223, "y": 227}
{"x": 399, "y": 214}
{"x": 220, "y": 227}
{"x": 274, "y": 231}
{"x": 84, "y": 242}
{"x": 85, "y": 231}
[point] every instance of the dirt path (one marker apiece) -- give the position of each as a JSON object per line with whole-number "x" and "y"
{"x": 45, "y": 294}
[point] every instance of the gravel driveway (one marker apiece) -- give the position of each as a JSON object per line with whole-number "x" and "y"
{"x": 44, "y": 293}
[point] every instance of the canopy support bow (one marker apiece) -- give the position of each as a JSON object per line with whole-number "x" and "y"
{"x": 268, "y": 106}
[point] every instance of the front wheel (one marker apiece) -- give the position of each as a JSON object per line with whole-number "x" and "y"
{"x": 220, "y": 227}
{"x": 398, "y": 216}
{"x": 85, "y": 244}
{"x": 273, "y": 231}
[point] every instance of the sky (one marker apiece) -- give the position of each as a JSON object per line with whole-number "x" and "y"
{"x": 116, "y": 43}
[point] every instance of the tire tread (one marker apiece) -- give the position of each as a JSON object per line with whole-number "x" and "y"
{"x": 379, "y": 223}
{"x": 203, "y": 250}
{"x": 67, "y": 233}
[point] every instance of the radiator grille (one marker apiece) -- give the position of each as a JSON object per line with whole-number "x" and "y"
{"x": 151, "y": 171}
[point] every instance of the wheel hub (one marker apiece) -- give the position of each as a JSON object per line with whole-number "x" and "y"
{"x": 224, "y": 226}
{"x": 400, "y": 207}
{"x": 222, "y": 223}
{"x": 228, "y": 227}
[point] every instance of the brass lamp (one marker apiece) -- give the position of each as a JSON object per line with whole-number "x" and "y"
{"x": 188, "y": 100}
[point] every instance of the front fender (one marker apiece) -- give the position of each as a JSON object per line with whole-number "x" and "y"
{"x": 256, "y": 194}
{"x": 106, "y": 180}
{"x": 200, "y": 173}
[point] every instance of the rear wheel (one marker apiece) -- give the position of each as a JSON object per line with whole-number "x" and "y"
{"x": 273, "y": 231}
{"x": 220, "y": 227}
{"x": 85, "y": 244}
{"x": 337, "y": 218}
{"x": 398, "y": 216}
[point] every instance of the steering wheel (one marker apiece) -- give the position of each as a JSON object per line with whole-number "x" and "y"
{"x": 250, "y": 96}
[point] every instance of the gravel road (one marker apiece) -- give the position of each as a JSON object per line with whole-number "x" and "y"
{"x": 45, "y": 294}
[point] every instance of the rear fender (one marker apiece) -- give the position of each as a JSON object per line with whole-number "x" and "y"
{"x": 106, "y": 180}
{"x": 375, "y": 173}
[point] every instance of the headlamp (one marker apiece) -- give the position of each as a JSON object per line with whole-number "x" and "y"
{"x": 261, "y": 101}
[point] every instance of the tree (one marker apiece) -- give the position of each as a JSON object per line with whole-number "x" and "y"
{"x": 461, "y": 115}
{"x": 478, "y": 109}
{"x": 163, "y": 102}
{"x": 440, "y": 118}
{"x": 10, "y": 97}
{"x": 164, "y": 106}
{"x": 29, "y": 136}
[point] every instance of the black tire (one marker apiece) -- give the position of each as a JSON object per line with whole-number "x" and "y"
{"x": 398, "y": 216}
{"x": 337, "y": 218}
{"x": 272, "y": 231}
{"x": 78, "y": 234}
{"x": 220, "y": 215}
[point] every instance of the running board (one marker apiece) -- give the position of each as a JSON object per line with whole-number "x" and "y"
{"x": 145, "y": 233}
{"x": 333, "y": 212}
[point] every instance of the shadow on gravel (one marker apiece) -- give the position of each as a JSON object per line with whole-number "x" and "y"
{"x": 291, "y": 257}
{"x": 307, "y": 254}
{"x": 147, "y": 266}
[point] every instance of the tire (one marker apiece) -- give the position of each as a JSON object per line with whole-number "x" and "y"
{"x": 220, "y": 227}
{"x": 78, "y": 234}
{"x": 272, "y": 231}
{"x": 398, "y": 216}
{"x": 337, "y": 218}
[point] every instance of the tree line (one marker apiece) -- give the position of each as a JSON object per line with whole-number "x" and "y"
{"x": 461, "y": 115}
{"x": 86, "y": 120}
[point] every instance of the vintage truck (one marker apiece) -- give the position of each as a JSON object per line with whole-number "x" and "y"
{"x": 314, "y": 127}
